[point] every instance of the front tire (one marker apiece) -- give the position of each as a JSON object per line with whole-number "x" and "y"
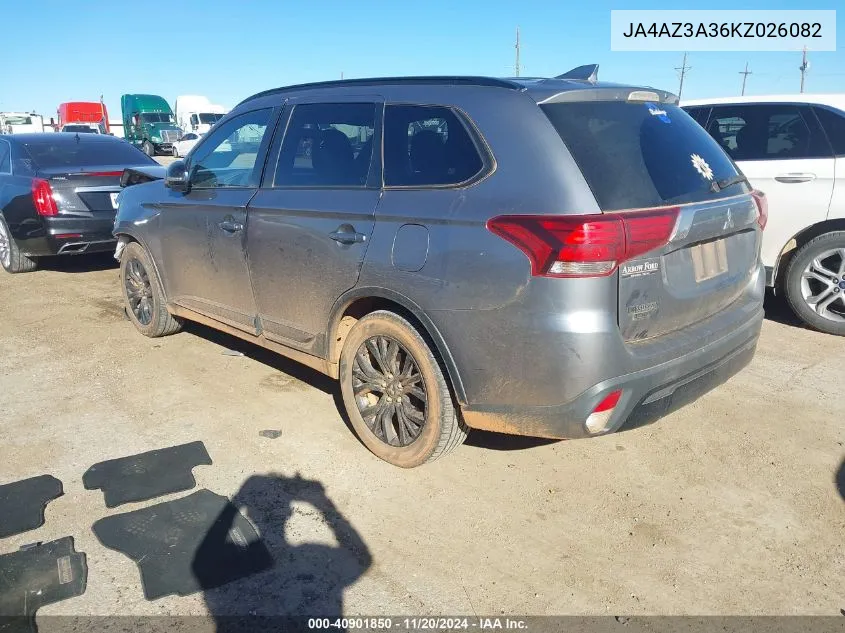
{"x": 142, "y": 295}
{"x": 11, "y": 258}
{"x": 395, "y": 393}
{"x": 815, "y": 283}
{"x": 149, "y": 148}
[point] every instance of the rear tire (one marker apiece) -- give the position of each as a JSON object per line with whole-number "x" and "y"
{"x": 11, "y": 258}
{"x": 387, "y": 369}
{"x": 149, "y": 148}
{"x": 142, "y": 296}
{"x": 814, "y": 284}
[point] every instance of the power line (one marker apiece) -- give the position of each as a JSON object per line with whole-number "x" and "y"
{"x": 745, "y": 74}
{"x": 682, "y": 72}
{"x": 803, "y": 67}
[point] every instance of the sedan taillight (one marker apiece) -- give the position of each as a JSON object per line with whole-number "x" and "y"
{"x": 42, "y": 197}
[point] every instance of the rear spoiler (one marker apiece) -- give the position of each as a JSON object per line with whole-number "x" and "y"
{"x": 588, "y": 72}
{"x": 137, "y": 175}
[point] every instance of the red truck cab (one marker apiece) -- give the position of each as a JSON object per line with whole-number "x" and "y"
{"x": 84, "y": 112}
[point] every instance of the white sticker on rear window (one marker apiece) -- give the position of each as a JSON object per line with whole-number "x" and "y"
{"x": 701, "y": 166}
{"x": 660, "y": 113}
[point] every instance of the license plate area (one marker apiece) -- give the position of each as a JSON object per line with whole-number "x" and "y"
{"x": 709, "y": 260}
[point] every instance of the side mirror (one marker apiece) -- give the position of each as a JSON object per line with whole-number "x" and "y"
{"x": 177, "y": 176}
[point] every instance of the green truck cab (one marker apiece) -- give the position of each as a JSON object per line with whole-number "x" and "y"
{"x": 149, "y": 124}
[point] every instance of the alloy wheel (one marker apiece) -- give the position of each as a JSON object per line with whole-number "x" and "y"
{"x": 389, "y": 391}
{"x": 139, "y": 291}
{"x": 5, "y": 246}
{"x": 823, "y": 284}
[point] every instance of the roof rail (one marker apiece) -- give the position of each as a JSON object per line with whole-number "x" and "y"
{"x": 589, "y": 72}
{"x": 380, "y": 81}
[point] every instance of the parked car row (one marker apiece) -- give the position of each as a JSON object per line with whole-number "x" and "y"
{"x": 560, "y": 258}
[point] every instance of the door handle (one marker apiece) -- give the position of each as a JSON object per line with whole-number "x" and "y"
{"x": 793, "y": 178}
{"x": 346, "y": 234}
{"x": 230, "y": 225}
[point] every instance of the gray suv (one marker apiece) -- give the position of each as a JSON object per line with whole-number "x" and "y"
{"x": 559, "y": 258}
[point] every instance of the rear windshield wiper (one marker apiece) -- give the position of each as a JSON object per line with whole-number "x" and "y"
{"x": 724, "y": 183}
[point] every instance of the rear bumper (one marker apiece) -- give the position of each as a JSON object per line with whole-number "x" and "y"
{"x": 648, "y": 394}
{"x": 530, "y": 374}
{"x": 70, "y": 236}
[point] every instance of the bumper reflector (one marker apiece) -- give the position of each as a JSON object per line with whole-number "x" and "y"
{"x": 597, "y": 421}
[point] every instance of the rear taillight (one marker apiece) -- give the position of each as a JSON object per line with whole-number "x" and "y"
{"x": 762, "y": 208}
{"x": 42, "y": 197}
{"x": 585, "y": 245}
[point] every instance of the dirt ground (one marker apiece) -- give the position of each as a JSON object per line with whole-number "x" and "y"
{"x": 730, "y": 506}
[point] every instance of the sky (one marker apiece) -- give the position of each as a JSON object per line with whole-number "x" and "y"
{"x": 229, "y": 50}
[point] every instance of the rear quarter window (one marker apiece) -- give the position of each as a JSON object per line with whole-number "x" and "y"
{"x": 639, "y": 155}
{"x": 833, "y": 123}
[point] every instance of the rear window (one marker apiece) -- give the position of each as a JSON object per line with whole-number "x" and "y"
{"x": 85, "y": 129}
{"x": 82, "y": 153}
{"x": 636, "y": 155}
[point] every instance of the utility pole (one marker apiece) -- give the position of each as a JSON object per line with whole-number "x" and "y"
{"x": 683, "y": 71}
{"x": 803, "y": 67}
{"x": 341, "y": 74}
{"x": 516, "y": 65}
{"x": 745, "y": 74}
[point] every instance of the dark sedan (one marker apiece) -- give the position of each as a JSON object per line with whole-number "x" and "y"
{"x": 58, "y": 194}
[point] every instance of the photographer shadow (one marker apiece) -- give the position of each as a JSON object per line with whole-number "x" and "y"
{"x": 306, "y": 579}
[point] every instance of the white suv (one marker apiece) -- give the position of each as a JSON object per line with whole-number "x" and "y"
{"x": 792, "y": 148}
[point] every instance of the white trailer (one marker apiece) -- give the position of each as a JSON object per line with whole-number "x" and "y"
{"x": 21, "y": 122}
{"x": 196, "y": 113}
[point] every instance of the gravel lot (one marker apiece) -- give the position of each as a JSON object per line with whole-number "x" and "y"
{"x": 730, "y": 506}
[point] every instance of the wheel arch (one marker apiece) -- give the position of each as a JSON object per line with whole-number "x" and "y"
{"x": 796, "y": 242}
{"x": 359, "y": 302}
{"x": 132, "y": 236}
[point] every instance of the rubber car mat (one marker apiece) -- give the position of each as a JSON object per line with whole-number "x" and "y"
{"x": 38, "y": 575}
{"x": 147, "y": 475}
{"x": 186, "y": 545}
{"x": 22, "y": 503}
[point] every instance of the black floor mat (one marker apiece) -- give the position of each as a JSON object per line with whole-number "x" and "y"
{"x": 39, "y": 575}
{"x": 22, "y": 503}
{"x": 147, "y": 475}
{"x": 187, "y": 545}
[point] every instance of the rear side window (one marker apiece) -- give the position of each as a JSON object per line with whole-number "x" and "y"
{"x": 834, "y": 126}
{"x": 427, "y": 146}
{"x": 85, "y": 152}
{"x": 767, "y": 132}
{"x": 639, "y": 155}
